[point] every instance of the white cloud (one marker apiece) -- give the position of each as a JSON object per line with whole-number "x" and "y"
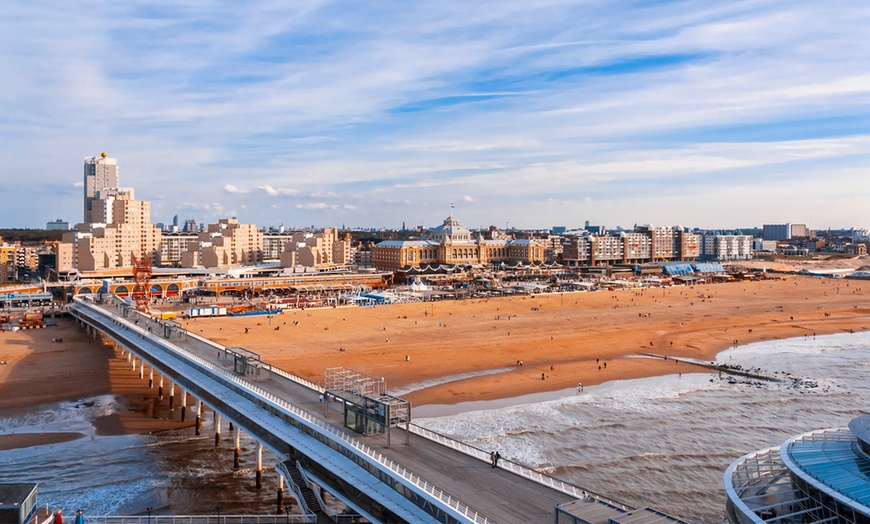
{"x": 443, "y": 99}
{"x": 229, "y": 188}
{"x": 316, "y": 206}
{"x": 277, "y": 192}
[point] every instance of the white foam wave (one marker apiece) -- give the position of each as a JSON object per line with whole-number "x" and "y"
{"x": 445, "y": 380}
{"x": 75, "y": 416}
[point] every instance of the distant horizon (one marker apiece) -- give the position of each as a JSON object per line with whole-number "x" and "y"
{"x": 330, "y": 113}
{"x": 409, "y": 228}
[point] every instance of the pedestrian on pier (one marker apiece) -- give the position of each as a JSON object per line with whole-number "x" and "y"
{"x": 495, "y": 459}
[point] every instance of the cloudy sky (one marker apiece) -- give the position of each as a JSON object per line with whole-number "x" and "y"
{"x": 374, "y": 114}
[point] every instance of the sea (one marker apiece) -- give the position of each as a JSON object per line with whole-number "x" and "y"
{"x": 662, "y": 442}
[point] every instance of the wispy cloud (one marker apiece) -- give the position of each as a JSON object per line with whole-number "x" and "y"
{"x": 546, "y": 112}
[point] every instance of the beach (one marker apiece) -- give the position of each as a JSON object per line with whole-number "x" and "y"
{"x": 449, "y": 352}
{"x": 40, "y": 369}
{"x": 457, "y": 356}
{"x": 483, "y": 349}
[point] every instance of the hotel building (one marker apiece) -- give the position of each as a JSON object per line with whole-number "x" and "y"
{"x": 451, "y": 243}
{"x": 116, "y": 229}
{"x": 100, "y": 173}
{"x": 644, "y": 244}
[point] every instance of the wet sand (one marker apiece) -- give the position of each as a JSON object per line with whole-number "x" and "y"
{"x": 561, "y": 339}
{"x": 39, "y": 371}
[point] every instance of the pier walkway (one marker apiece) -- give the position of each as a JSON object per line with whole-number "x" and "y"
{"x": 407, "y": 475}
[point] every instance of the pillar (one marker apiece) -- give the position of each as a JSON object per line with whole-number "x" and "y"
{"x": 217, "y": 429}
{"x": 237, "y": 450}
{"x": 171, "y": 395}
{"x": 150, "y": 377}
{"x": 133, "y": 363}
{"x": 280, "y": 494}
{"x": 141, "y": 369}
{"x": 129, "y": 356}
{"x": 198, "y": 416}
{"x": 183, "y": 403}
{"x": 160, "y": 386}
{"x": 259, "y": 466}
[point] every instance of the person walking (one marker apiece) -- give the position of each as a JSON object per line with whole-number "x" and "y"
{"x": 495, "y": 459}
{"x": 492, "y": 458}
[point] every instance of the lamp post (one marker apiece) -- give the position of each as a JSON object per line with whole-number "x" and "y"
{"x": 218, "y": 509}
{"x": 148, "y": 510}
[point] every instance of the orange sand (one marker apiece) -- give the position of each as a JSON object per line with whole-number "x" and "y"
{"x": 39, "y": 371}
{"x": 566, "y": 338}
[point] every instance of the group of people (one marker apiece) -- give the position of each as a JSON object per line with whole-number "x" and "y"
{"x": 493, "y": 458}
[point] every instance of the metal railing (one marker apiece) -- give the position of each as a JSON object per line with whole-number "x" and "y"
{"x": 327, "y": 430}
{"x": 513, "y": 467}
{"x": 282, "y": 469}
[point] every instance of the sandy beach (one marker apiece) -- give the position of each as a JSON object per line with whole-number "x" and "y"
{"x": 453, "y": 351}
{"x": 40, "y": 371}
{"x": 560, "y": 339}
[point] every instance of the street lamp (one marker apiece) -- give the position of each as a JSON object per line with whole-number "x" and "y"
{"x": 218, "y": 509}
{"x": 148, "y": 511}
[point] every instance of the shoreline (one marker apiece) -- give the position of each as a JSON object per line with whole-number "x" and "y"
{"x": 560, "y": 339}
{"x": 451, "y": 353}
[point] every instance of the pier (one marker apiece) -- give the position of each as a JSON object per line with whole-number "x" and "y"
{"x": 415, "y": 476}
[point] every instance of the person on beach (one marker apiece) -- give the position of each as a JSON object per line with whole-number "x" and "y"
{"x": 492, "y": 458}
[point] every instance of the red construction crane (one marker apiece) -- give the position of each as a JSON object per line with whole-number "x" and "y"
{"x": 142, "y": 278}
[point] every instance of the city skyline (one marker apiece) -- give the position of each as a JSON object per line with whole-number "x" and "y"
{"x": 675, "y": 113}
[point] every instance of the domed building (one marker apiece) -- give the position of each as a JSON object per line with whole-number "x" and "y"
{"x": 452, "y": 243}
{"x": 820, "y": 476}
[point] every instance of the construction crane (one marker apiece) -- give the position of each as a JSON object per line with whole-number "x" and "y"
{"x": 142, "y": 278}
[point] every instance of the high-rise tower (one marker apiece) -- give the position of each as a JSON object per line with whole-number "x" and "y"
{"x": 100, "y": 173}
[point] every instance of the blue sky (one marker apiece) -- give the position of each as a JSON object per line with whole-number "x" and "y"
{"x": 531, "y": 114}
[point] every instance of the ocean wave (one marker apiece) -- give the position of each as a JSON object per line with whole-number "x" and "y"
{"x": 417, "y": 386}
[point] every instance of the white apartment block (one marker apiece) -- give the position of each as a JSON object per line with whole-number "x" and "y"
{"x": 727, "y": 247}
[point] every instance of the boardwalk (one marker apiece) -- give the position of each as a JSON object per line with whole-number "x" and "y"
{"x": 430, "y": 474}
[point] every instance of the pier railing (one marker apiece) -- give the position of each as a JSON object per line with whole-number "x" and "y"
{"x": 514, "y": 467}
{"x": 355, "y": 449}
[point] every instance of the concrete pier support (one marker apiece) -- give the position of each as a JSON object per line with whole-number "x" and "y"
{"x": 198, "y": 416}
{"x": 237, "y": 450}
{"x": 259, "y": 483}
{"x": 183, "y": 403}
{"x": 280, "y": 494}
{"x": 160, "y": 386}
{"x": 129, "y": 356}
{"x": 141, "y": 369}
{"x": 217, "y": 429}
{"x": 133, "y": 363}
{"x": 171, "y": 396}
{"x": 150, "y": 377}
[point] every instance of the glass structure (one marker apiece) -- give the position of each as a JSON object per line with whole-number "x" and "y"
{"x": 818, "y": 477}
